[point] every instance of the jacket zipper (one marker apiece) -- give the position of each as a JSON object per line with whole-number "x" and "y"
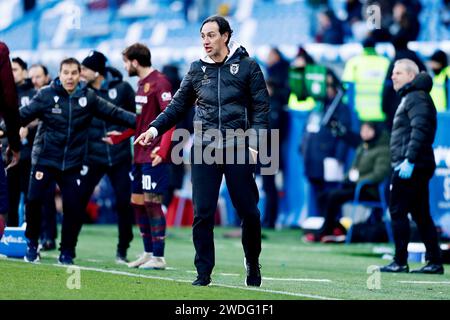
{"x": 220, "y": 106}
{"x": 107, "y": 145}
{"x": 246, "y": 121}
{"x": 68, "y": 134}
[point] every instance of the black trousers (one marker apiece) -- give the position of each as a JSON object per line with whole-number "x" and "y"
{"x": 48, "y": 227}
{"x": 18, "y": 179}
{"x": 119, "y": 176}
{"x": 412, "y": 196}
{"x": 42, "y": 177}
{"x": 330, "y": 204}
{"x": 206, "y": 180}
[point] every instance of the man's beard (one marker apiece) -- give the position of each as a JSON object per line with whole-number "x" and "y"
{"x": 132, "y": 72}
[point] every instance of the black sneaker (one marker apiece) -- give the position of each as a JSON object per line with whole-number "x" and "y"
{"x": 202, "y": 280}
{"x": 253, "y": 278}
{"x": 395, "y": 267}
{"x": 32, "y": 255}
{"x": 121, "y": 257}
{"x": 430, "y": 268}
{"x": 65, "y": 258}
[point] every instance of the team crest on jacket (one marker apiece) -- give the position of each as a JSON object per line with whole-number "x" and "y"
{"x": 112, "y": 93}
{"x": 82, "y": 102}
{"x": 234, "y": 68}
{"x": 25, "y": 101}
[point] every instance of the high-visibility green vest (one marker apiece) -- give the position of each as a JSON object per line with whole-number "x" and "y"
{"x": 301, "y": 105}
{"x": 439, "y": 92}
{"x": 309, "y": 81}
{"x": 367, "y": 72}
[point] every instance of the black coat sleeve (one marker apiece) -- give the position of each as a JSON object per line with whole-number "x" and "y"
{"x": 422, "y": 116}
{"x": 260, "y": 102}
{"x": 34, "y": 109}
{"x": 179, "y": 107}
{"x": 109, "y": 112}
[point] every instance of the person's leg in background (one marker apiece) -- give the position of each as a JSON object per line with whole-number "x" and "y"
{"x": 3, "y": 198}
{"x": 119, "y": 175}
{"x": 14, "y": 190}
{"x": 40, "y": 179}
{"x": 331, "y": 206}
{"x": 155, "y": 184}
{"x": 271, "y": 201}
{"x": 141, "y": 218}
{"x": 73, "y": 213}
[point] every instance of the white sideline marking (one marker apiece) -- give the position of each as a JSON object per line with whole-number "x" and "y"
{"x": 297, "y": 279}
{"x": 425, "y": 282}
{"x": 189, "y": 281}
{"x": 268, "y": 278}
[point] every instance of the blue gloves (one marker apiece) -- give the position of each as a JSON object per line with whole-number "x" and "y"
{"x": 406, "y": 169}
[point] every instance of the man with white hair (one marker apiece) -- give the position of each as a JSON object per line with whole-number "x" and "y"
{"x": 412, "y": 159}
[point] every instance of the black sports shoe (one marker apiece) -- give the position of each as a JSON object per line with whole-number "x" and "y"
{"x": 121, "y": 257}
{"x": 202, "y": 280}
{"x": 430, "y": 268}
{"x": 32, "y": 254}
{"x": 395, "y": 267}
{"x": 253, "y": 274}
{"x": 65, "y": 258}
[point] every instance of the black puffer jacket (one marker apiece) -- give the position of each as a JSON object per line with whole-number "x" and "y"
{"x": 232, "y": 95}
{"x": 121, "y": 94}
{"x": 414, "y": 126}
{"x": 65, "y": 120}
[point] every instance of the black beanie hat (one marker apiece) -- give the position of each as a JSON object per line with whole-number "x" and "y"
{"x": 440, "y": 56}
{"x": 95, "y": 61}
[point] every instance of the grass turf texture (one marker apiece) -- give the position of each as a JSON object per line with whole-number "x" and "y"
{"x": 291, "y": 269}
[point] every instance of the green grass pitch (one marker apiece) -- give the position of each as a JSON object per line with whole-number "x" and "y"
{"x": 291, "y": 269}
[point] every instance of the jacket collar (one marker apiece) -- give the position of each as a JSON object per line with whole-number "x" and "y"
{"x": 233, "y": 46}
{"x": 422, "y": 82}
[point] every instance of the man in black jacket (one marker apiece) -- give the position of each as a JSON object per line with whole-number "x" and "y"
{"x": 65, "y": 109}
{"x": 229, "y": 90}
{"x": 391, "y": 100}
{"x": 104, "y": 159}
{"x": 412, "y": 159}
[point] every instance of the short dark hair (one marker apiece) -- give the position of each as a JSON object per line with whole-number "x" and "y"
{"x": 70, "y": 61}
{"x": 40, "y": 65}
{"x": 20, "y": 62}
{"x": 224, "y": 25}
{"x": 139, "y": 52}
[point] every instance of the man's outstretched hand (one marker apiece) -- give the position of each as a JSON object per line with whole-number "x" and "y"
{"x": 144, "y": 139}
{"x": 14, "y": 156}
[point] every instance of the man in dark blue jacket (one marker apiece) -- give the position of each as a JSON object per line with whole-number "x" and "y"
{"x": 412, "y": 158}
{"x": 230, "y": 93}
{"x": 104, "y": 159}
{"x": 65, "y": 109}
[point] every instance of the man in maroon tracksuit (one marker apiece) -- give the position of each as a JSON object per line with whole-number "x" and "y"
{"x": 151, "y": 163}
{"x": 9, "y": 111}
